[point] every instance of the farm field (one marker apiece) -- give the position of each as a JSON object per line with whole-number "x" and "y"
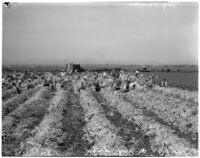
{"x": 183, "y": 80}
{"x": 161, "y": 121}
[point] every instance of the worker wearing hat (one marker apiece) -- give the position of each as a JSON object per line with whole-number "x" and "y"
{"x": 136, "y": 73}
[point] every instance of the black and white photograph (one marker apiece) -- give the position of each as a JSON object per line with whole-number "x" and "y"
{"x": 99, "y": 79}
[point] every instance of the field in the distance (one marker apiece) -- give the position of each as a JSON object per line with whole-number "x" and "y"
{"x": 183, "y": 80}
{"x": 180, "y": 76}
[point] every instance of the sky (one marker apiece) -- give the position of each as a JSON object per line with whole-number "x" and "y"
{"x": 100, "y": 33}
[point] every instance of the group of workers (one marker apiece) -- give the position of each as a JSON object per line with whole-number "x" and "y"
{"x": 16, "y": 81}
{"x": 19, "y": 88}
{"x": 118, "y": 80}
{"x": 50, "y": 82}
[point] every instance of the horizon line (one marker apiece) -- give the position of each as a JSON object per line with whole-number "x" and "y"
{"x": 90, "y": 64}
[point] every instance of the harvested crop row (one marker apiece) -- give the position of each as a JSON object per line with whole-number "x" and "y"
{"x": 12, "y": 92}
{"x": 13, "y": 103}
{"x": 185, "y": 95}
{"x": 171, "y": 110}
{"x": 131, "y": 134}
{"x": 72, "y": 124}
{"x": 48, "y": 134}
{"x": 8, "y": 94}
{"x": 161, "y": 137}
{"x": 99, "y": 131}
{"x": 61, "y": 131}
{"x": 18, "y": 125}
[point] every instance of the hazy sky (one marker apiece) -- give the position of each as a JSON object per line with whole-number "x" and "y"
{"x": 100, "y": 33}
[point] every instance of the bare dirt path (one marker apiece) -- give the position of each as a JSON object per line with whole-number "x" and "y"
{"x": 73, "y": 124}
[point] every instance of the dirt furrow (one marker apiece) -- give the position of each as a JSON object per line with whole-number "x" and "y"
{"x": 8, "y": 94}
{"x": 18, "y": 125}
{"x": 161, "y": 138}
{"x": 99, "y": 131}
{"x": 41, "y": 143}
{"x": 73, "y": 125}
{"x": 193, "y": 139}
{"x": 133, "y": 137}
{"x": 170, "y": 112}
{"x": 12, "y": 103}
{"x": 61, "y": 131}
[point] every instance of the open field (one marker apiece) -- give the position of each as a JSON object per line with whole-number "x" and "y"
{"x": 67, "y": 122}
{"x": 183, "y": 80}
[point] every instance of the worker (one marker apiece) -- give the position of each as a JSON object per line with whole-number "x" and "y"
{"x": 53, "y": 81}
{"x": 29, "y": 84}
{"x": 62, "y": 73}
{"x": 127, "y": 83}
{"x": 150, "y": 82}
{"x": 113, "y": 72}
{"x": 164, "y": 83}
{"x": 82, "y": 84}
{"x": 64, "y": 84}
{"x": 97, "y": 86}
{"x": 137, "y": 73}
{"x": 18, "y": 89}
{"x": 19, "y": 83}
{"x": 117, "y": 84}
{"x": 46, "y": 83}
{"x": 3, "y": 137}
{"x": 132, "y": 85}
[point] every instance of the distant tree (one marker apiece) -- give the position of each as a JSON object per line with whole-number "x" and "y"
{"x": 178, "y": 70}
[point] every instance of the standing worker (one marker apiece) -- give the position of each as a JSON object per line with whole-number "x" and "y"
{"x": 19, "y": 83}
{"x": 18, "y": 89}
{"x": 149, "y": 83}
{"x": 127, "y": 83}
{"x": 53, "y": 81}
{"x": 164, "y": 83}
{"x": 137, "y": 73}
{"x": 97, "y": 86}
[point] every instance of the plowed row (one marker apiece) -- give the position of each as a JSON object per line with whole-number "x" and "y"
{"x": 42, "y": 122}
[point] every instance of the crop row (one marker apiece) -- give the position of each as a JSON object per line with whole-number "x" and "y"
{"x": 99, "y": 131}
{"x": 185, "y": 95}
{"x": 161, "y": 138}
{"x": 12, "y": 92}
{"x": 18, "y": 125}
{"x": 49, "y": 129}
{"x": 176, "y": 112}
{"x": 8, "y": 94}
{"x": 12, "y": 103}
{"x": 61, "y": 131}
